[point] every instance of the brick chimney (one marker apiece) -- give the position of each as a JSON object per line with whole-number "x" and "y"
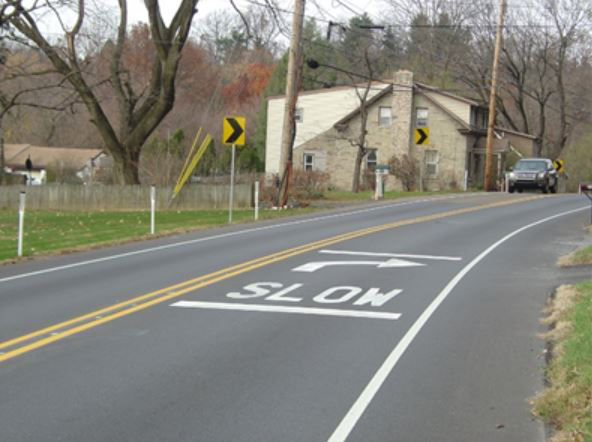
{"x": 402, "y": 111}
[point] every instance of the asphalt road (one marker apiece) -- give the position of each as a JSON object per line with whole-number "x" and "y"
{"x": 401, "y": 321}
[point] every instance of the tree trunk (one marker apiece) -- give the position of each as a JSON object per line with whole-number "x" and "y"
{"x": 127, "y": 167}
{"x": 357, "y": 169}
{"x": 2, "y": 157}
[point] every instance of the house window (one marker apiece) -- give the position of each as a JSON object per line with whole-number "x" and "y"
{"x": 421, "y": 117}
{"x": 479, "y": 117}
{"x": 431, "y": 162}
{"x": 308, "y": 162}
{"x": 299, "y": 115}
{"x": 371, "y": 160}
{"x": 384, "y": 116}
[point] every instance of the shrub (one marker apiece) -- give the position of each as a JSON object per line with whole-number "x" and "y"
{"x": 406, "y": 169}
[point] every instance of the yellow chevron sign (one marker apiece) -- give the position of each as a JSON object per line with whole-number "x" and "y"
{"x": 234, "y": 130}
{"x": 422, "y": 136}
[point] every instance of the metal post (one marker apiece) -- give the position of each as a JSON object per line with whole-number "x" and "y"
{"x": 256, "y": 200}
{"x": 21, "y": 223}
{"x": 152, "y": 207}
{"x": 231, "y": 203}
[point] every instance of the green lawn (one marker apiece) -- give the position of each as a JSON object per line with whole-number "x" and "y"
{"x": 52, "y": 231}
{"x": 567, "y": 403}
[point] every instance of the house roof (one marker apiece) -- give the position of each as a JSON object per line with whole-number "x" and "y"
{"x": 42, "y": 157}
{"x": 370, "y": 102}
{"x": 380, "y": 83}
{"x": 449, "y": 95}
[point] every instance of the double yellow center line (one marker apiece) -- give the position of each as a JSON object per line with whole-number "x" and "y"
{"x": 40, "y": 338}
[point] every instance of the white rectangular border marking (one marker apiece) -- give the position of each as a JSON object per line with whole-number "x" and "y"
{"x": 284, "y": 309}
{"x": 347, "y": 424}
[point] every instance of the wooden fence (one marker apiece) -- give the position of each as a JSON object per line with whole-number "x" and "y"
{"x": 78, "y": 197}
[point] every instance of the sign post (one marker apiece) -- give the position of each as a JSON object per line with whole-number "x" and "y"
{"x": 233, "y": 132}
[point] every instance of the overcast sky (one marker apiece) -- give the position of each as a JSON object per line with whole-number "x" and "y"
{"x": 329, "y": 9}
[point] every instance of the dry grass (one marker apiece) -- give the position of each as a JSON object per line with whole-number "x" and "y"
{"x": 579, "y": 257}
{"x": 567, "y": 402}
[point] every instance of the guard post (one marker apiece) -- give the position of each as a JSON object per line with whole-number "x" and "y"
{"x": 586, "y": 189}
{"x": 381, "y": 171}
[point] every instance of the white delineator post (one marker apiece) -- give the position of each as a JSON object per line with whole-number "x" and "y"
{"x": 152, "y": 207}
{"x": 22, "y": 198}
{"x": 231, "y": 202}
{"x": 256, "y": 200}
{"x": 466, "y": 180}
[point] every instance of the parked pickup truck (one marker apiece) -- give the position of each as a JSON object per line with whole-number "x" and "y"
{"x": 533, "y": 173}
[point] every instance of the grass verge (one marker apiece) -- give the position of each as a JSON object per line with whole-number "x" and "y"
{"x": 567, "y": 403}
{"x": 50, "y": 232}
{"x": 579, "y": 257}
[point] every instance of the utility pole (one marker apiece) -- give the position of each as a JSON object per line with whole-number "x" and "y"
{"x": 492, "y": 97}
{"x": 292, "y": 80}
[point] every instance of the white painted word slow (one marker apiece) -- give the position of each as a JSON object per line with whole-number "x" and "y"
{"x": 275, "y": 291}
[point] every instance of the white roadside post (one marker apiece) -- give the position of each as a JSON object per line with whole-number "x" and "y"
{"x": 378, "y": 187}
{"x": 466, "y": 180}
{"x": 231, "y": 202}
{"x": 22, "y": 198}
{"x": 256, "y": 200}
{"x": 152, "y": 207}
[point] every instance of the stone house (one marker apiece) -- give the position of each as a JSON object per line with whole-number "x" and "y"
{"x": 444, "y": 132}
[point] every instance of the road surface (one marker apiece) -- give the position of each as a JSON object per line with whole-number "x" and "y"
{"x": 414, "y": 320}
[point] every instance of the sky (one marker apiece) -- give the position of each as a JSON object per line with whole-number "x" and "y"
{"x": 329, "y": 9}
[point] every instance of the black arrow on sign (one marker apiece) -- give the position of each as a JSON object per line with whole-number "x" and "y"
{"x": 423, "y": 136}
{"x": 238, "y": 131}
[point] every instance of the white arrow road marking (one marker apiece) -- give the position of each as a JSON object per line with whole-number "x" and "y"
{"x": 392, "y": 255}
{"x": 314, "y": 266}
{"x": 285, "y": 309}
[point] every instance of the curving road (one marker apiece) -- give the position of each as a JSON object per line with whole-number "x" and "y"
{"x": 403, "y": 321}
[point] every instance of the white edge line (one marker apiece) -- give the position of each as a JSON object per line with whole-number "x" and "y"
{"x": 283, "y": 309}
{"x": 223, "y": 235}
{"x": 347, "y": 424}
{"x": 390, "y": 255}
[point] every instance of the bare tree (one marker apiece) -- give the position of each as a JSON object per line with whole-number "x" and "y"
{"x": 140, "y": 110}
{"x": 28, "y": 80}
